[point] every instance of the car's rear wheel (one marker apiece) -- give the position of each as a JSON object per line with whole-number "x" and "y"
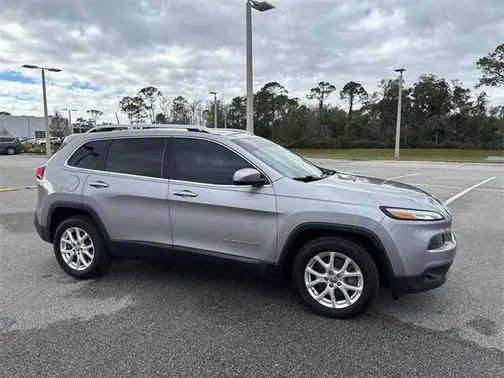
{"x": 335, "y": 277}
{"x": 11, "y": 150}
{"x": 80, "y": 248}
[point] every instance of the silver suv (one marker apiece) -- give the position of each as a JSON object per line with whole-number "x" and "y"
{"x": 232, "y": 195}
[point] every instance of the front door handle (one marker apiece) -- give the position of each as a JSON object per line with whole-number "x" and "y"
{"x": 185, "y": 193}
{"x": 99, "y": 184}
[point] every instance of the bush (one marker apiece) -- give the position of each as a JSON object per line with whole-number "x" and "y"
{"x": 37, "y": 148}
{"x": 315, "y": 143}
{"x": 365, "y": 143}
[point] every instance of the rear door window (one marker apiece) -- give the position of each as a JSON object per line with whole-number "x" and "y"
{"x": 87, "y": 155}
{"x": 136, "y": 156}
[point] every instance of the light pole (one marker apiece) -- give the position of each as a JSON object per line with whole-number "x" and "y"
{"x": 215, "y": 108}
{"x": 44, "y": 97}
{"x": 70, "y": 118}
{"x": 28, "y": 123}
{"x": 398, "y": 124}
{"x": 261, "y": 6}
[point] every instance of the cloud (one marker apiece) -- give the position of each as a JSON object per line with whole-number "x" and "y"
{"x": 108, "y": 49}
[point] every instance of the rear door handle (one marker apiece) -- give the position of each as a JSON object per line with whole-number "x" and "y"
{"x": 185, "y": 193}
{"x": 99, "y": 184}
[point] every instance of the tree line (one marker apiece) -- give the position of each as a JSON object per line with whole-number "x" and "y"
{"x": 436, "y": 112}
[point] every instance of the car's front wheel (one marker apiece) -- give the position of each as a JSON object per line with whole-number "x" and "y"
{"x": 80, "y": 248}
{"x": 335, "y": 277}
{"x": 11, "y": 151}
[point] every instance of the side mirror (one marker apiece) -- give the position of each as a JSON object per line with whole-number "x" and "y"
{"x": 248, "y": 176}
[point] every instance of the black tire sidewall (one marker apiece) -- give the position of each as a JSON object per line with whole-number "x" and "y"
{"x": 346, "y": 247}
{"x": 101, "y": 258}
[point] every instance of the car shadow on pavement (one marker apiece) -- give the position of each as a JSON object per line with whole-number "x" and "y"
{"x": 195, "y": 286}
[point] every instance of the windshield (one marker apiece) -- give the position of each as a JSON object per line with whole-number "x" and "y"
{"x": 279, "y": 158}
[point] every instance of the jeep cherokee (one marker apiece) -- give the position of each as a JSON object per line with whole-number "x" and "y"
{"x": 230, "y": 194}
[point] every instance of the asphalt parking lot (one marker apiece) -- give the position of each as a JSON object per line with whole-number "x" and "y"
{"x": 182, "y": 318}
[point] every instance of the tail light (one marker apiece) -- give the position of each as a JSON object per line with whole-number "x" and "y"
{"x": 40, "y": 172}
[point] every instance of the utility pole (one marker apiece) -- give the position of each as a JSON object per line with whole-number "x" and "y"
{"x": 70, "y": 118}
{"x": 29, "y": 130}
{"x": 48, "y": 139}
{"x": 117, "y": 118}
{"x": 250, "y": 85}
{"x": 215, "y": 108}
{"x": 261, "y": 6}
{"x": 44, "y": 97}
{"x": 398, "y": 124}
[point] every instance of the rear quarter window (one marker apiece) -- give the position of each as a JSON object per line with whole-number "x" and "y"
{"x": 87, "y": 155}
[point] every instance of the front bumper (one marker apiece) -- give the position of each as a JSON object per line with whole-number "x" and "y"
{"x": 416, "y": 247}
{"x": 430, "y": 279}
{"x": 420, "y": 253}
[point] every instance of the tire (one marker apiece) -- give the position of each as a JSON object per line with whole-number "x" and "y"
{"x": 335, "y": 305}
{"x": 78, "y": 262}
{"x": 10, "y": 150}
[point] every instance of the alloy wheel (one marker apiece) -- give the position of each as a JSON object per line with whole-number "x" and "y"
{"x": 77, "y": 248}
{"x": 333, "y": 279}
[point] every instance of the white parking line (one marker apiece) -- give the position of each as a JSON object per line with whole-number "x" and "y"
{"x": 458, "y": 195}
{"x": 453, "y": 187}
{"x": 398, "y": 177}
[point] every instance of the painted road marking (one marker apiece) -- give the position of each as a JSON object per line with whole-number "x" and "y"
{"x": 460, "y": 194}
{"x": 8, "y": 190}
{"x": 454, "y": 187}
{"x": 398, "y": 177}
{"x": 15, "y": 188}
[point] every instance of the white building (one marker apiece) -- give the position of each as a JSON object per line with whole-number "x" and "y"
{"x": 23, "y": 126}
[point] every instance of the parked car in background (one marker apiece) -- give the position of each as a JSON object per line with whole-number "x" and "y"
{"x": 229, "y": 194}
{"x": 9, "y": 145}
{"x": 53, "y": 140}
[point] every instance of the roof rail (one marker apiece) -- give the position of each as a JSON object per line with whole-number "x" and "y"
{"x": 147, "y": 126}
{"x": 200, "y": 130}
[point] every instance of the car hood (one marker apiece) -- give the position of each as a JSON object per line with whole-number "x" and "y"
{"x": 383, "y": 192}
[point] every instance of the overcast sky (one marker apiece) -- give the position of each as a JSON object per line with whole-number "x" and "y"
{"x": 112, "y": 48}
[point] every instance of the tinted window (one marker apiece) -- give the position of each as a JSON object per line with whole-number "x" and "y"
{"x": 207, "y": 162}
{"x": 279, "y": 158}
{"x": 141, "y": 157}
{"x": 87, "y": 155}
{"x": 6, "y": 139}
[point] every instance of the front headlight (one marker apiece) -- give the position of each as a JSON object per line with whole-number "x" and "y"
{"x": 411, "y": 214}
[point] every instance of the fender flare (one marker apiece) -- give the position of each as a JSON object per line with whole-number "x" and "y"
{"x": 378, "y": 245}
{"x": 78, "y": 206}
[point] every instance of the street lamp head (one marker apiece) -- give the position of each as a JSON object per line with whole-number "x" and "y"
{"x": 261, "y": 6}
{"x": 41, "y": 68}
{"x": 400, "y": 70}
{"x": 213, "y": 92}
{"x": 30, "y": 66}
